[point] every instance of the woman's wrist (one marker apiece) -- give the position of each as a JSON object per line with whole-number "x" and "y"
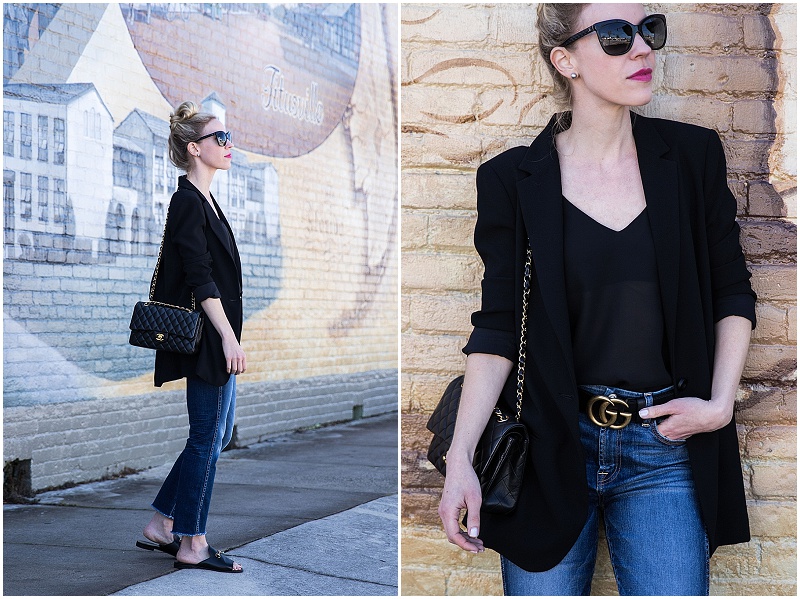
{"x": 229, "y": 337}
{"x": 721, "y": 410}
{"x": 459, "y": 458}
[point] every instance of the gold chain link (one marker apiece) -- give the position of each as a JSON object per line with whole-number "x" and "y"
{"x": 526, "y": 287}
{"x": 155, "y": 274}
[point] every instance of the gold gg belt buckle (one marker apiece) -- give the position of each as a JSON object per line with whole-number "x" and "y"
{"x": 607, "y": 411}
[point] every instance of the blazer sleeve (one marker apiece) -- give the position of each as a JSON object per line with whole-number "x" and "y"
{"x": 730, "y": 280}
{"x": 493, "y": 324}
{"x": 187, "y": 222}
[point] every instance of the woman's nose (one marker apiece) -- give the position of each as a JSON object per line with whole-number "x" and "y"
{"x": 640, "y": 47}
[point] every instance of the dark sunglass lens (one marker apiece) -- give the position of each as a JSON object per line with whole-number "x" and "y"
{"x": 654, "y": 32}
{"x": 616, "y": 38}
{"x": 222, "y": 137}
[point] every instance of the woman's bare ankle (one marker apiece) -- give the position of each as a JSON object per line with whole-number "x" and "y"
{"x": 159, "y": 529}
{"x": 193, "y": 549}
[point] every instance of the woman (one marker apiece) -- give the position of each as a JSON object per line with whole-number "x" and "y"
{"x": 639, "y": 319}
{"x": 199, "y": 263}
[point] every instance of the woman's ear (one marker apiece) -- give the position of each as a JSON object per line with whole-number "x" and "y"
{"x": 563, "y": 61}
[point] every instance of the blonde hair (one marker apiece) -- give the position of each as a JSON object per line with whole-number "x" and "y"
{"x": 556, "y": 22}
{"x": 185, "y": 126}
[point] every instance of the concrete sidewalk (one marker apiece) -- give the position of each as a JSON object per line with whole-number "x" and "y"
{"x": 309, "y": 513}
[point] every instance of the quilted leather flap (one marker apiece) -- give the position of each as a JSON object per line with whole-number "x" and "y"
{"x": 442, "y": 422}
{"x": 148, "y": 316}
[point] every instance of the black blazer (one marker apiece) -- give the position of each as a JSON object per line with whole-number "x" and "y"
{"x": 197, "y": 257}
{"x": 702, "y": 276}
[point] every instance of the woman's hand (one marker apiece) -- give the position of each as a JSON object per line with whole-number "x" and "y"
{"x": 235, "y": 360}
{"x": 687, "y": 416}
{"x": 461, "y": 490}
{"x": 484, "y": 377}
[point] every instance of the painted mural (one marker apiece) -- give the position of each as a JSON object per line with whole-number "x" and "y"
{"x": 86, "y": 177}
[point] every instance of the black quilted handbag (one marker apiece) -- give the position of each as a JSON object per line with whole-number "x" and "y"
{"x": 502, "y": 449}
{"x": 156, "y": 325}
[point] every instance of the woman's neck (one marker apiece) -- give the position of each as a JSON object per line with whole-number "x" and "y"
{"x": 598, "y": 134}
{"x": 201, "y": 178}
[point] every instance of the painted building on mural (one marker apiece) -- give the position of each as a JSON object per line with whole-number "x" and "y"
{"x": 45, "y": 178}
{"x": 143, "y": 180}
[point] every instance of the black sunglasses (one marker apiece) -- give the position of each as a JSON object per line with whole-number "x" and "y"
{"x": 616, "y": 35}
{"x": 223, "y": 137}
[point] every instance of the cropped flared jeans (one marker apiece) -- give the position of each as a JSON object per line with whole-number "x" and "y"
{"x": 186, "y": 493}
{"x": 640, "y": 484}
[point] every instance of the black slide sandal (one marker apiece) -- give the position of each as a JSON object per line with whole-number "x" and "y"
{"x": 216, "y": 563}
{"x": 171, "y": 548}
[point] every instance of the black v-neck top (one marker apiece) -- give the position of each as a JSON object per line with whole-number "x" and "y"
{"x": 614, "y": 303}
{"x": 228, "y": 238}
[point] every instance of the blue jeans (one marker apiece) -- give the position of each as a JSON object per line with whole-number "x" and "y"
{"x": 186, "y": 492}
{"x": 641, "y": 484}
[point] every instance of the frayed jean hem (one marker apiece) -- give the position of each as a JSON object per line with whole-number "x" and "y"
{"x": 162, "y": 513}
{"x": 186, "y": 534}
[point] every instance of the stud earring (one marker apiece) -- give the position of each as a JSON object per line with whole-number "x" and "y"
{"x": 574, "y": 75}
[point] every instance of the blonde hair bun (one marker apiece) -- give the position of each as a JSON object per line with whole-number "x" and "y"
{"x": 183, "y": 113}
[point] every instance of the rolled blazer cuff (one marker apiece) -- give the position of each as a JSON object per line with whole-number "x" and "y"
{"x": 492, "y": 341}
{"x": 740, "y": 304}
{"x": 203, "y": 292}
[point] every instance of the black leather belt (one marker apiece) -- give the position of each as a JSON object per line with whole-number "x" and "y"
{"x": 617, "y": 412}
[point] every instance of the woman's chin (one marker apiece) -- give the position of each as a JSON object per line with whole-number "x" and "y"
{"x": 642, "y": 99}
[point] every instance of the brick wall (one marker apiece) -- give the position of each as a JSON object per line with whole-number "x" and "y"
{"x": 313, "y": 205}
{"x": 473, "y": 85}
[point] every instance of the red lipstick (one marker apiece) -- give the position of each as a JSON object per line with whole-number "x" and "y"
{"x": 642, "y": 75}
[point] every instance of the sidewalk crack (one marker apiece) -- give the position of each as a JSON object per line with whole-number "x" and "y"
{"x": 309, "y": 571}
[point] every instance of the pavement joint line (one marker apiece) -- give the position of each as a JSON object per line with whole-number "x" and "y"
{"x": 374, "y": 513}
{"x": 94, "y": 507}
{"x": 306, "y": 570}
{"x": 66, "y": 546}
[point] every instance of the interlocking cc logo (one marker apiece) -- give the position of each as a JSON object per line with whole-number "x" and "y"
{"x": 606, "y": 411}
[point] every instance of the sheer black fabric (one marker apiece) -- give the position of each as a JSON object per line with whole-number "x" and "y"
{"x": 614, "y": 303}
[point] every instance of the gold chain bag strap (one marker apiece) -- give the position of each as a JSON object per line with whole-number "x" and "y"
{"x": 503, "y": 447}
{"x": 156, "y": 325}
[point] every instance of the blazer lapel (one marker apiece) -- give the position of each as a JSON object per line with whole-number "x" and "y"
{"x": 662, "y": 191}
{"x": 223, "y": 221}
{"x": 218, "y": 225}
{"x": 542, "y": 212}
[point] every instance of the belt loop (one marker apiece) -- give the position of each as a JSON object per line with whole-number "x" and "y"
{"x": 648, "y": 401}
